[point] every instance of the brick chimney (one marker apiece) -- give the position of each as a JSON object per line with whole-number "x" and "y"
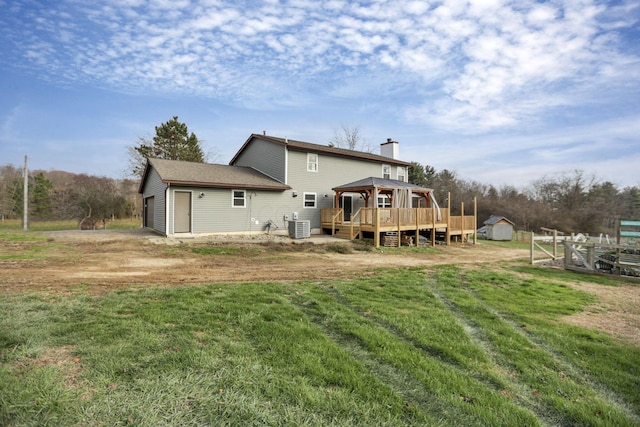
{"x": 390, "y": 149}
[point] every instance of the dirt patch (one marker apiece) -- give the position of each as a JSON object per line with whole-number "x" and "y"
{"x": 617, "y": 312}
{"x": 62, "y": 358}
{"x": 101, "y": 261}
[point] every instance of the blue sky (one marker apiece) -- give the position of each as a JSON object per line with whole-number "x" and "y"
{"x": 501, "y": 92}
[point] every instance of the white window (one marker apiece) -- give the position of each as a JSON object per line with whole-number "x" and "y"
{"x": 384, "y": 202}
{"x": 401, "y": 174}
{"x": 386, "y": 171}
{"x": 309, "y": 200}
{"x": 312, "y": 162}
{"x": 238, "y": 198}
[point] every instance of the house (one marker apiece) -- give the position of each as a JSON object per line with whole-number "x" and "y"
{"x": 498, "y": 228}
{"x": 269, "y": 182}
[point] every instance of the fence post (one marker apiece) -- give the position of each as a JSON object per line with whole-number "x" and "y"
{"x": 532, "y": 246}
{"x": 555, "y": 244}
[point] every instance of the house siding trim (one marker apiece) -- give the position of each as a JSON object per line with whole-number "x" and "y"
{"x": 152, "y": 186}
{"x": 324, "y": 150}
{"x": 166, "y": 207}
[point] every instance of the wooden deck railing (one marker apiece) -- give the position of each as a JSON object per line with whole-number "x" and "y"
{"x": 378, "y": 220}
{"x": 331, "y": 216}
{"x": 404, "y": 217}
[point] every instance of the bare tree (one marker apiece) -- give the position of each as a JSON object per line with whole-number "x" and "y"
{"x": 10, "y": 191}
{"x": 350, "y": 139}
{"x": 97, "y": 199}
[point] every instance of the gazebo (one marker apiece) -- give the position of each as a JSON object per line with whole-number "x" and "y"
{"x": 400, "y": 194}
{"x": 388, "y": 208}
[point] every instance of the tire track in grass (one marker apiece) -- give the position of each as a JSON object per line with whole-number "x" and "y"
{"x": 574, "y": 397}
{"x": 571, "y": 369}
{"x": 436, "y": 387}
{"x": 403, "y": 383}
{"x": 518, "y": 390}
{"x": 432, "y": 351}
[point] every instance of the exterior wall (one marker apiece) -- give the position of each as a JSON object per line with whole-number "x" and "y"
{"x": 170, "y": 206}
{"x": 155, "y": 187}
{"x": 500, "y": 231}
{"x": 332, "y": 172}
{"x": 213, "y": 212}
{"x": 267, "y": 157}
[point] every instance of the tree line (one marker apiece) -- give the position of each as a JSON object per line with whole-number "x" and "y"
{"x": 572, "y": 202}
{"x": 58, "y": 195}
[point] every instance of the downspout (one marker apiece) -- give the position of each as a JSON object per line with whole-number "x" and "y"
{"x": 286, "y": 165}
{"x": 166, "y": 210}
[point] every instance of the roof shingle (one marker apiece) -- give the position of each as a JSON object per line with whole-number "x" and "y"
{"x": 213, "y": 175}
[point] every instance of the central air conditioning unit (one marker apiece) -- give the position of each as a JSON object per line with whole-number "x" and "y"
{"x": 299, "y": 229}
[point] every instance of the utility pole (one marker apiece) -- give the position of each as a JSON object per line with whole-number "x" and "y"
{"x": 25, "y": 208}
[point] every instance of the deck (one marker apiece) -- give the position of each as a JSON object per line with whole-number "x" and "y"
{"x": 406, "y": 222}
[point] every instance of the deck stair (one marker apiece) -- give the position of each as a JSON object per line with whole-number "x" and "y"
{"x": 343, "y": 233}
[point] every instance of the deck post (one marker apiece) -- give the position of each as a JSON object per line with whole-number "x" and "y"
{"x": 351, "y": 227}
{"x": 433, "y": 226}
{"x": 376, "y": 228}
{"x": 475, "y": 220}
{"x": 461, "y": 222}
{"x": 399, "y": 233}
{"x": 417, "y": 226}
{"x": 448, "y": 233}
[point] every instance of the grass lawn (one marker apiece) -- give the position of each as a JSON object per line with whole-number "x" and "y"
{"x": 16, "y": 225}
{"x": 403, "y": 347}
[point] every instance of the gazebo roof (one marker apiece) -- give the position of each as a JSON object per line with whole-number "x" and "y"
{"x": 380, "y": 184}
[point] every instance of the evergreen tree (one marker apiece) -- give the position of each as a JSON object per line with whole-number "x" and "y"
{"x": 417, "y": 175}
{"x": 41, "y": 197}
{"x": 172, "y": 142}
{"x": 421, "y": 175}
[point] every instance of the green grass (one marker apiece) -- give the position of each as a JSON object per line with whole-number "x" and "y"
{"x": 515, "y": 244}
{"x": 18, "y": 245}
{"x": 16, "y": 225}
{"x": 225, "y": 250}
{"x": 401, "y": 347}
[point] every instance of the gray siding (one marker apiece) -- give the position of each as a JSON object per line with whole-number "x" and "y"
{"x": 332, "y": 172}
{"x": 155, "y": 187}
{"x": 500, "y": 231}
{"x": 267, "y": 157}
{"x": 170, "y": 206}
{"x": 214, "y": 213}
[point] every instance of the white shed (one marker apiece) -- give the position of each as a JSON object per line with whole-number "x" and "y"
{"x": 499, "y": 228}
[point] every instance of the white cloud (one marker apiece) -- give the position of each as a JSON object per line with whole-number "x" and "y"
{"x": 486, "y": 64}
